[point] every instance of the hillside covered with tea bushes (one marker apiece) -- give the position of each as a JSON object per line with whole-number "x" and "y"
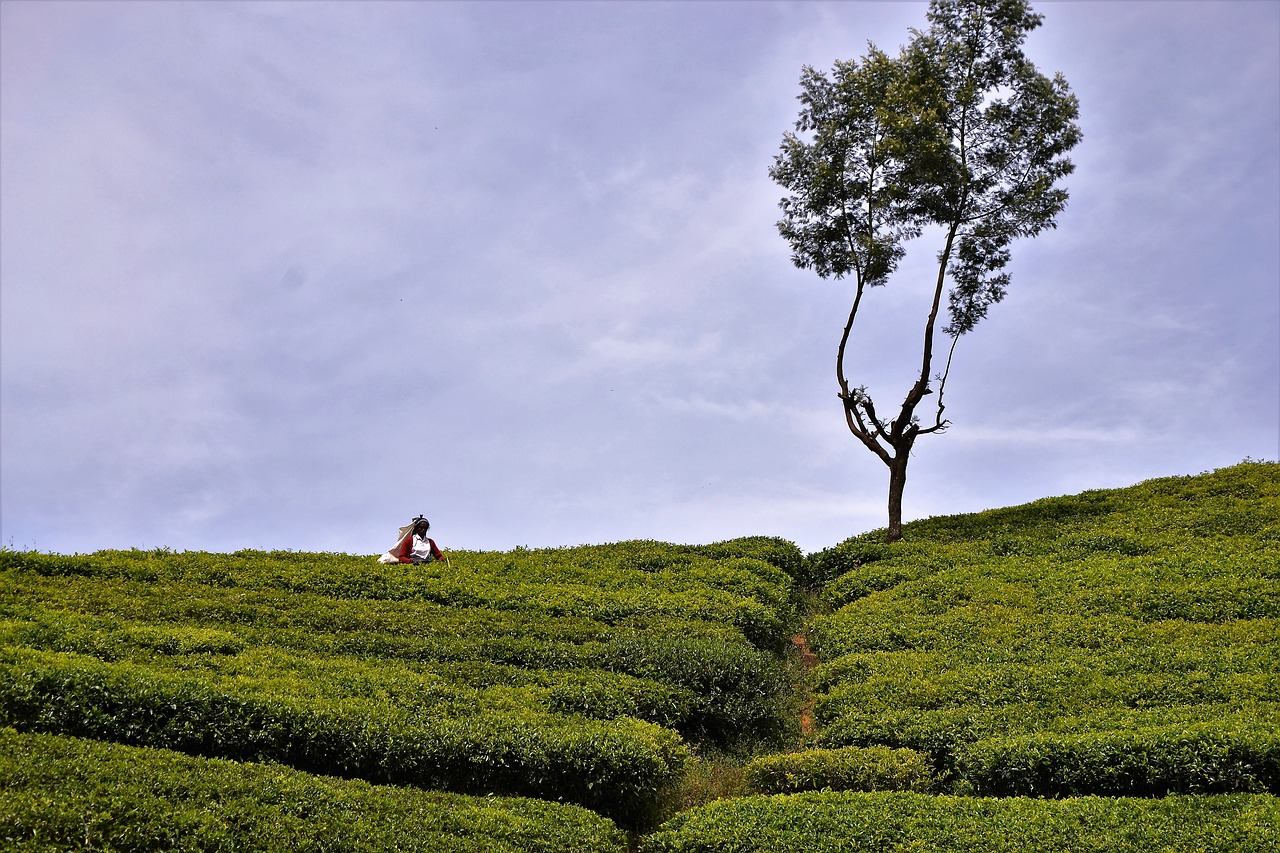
{"x": 1092, "y": 672}
{"x": 1120, "y": 642}
{"x": 1098, "y": 672}
{"x": 577, "y": 675}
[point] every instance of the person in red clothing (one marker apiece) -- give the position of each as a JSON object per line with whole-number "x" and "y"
{"x": 414, "y": 546}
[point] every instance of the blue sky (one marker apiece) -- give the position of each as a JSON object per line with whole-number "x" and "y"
{"x": 283, "y": 275}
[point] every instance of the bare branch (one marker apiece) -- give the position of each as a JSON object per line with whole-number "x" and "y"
{"x": 870, "y": 409}
{"x": 862, "y": 432}
{"x": 940, "y": 425}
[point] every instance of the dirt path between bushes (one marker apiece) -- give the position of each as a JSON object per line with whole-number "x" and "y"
{"x": 808, "y": 660}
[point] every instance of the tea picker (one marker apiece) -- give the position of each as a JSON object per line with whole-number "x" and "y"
{"x": 414, "y": 546}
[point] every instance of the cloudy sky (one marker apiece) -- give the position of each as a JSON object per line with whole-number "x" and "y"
{"x": 285, "y": 275}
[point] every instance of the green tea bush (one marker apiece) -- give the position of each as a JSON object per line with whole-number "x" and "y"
{"x": 875, "y": 768}
{"x": 63, "y": 793}
{"x": 1120, "y": 642}
{"x": 908, "y": 822}
{"x": 615, "y": 767}
{"x": 823, "y": 567}
{"x": 1207, "y": 758}
{"x": 768, "y": 549}
{"x": 862, "y": 581}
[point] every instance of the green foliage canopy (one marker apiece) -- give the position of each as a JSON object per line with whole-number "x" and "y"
{"x": 960, "y": 130}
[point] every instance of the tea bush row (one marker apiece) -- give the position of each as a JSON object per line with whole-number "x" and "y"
{"x": 875, "y": 768}
{"x": 909, "y": 822}
{"x": 1201, "y": 758}
{"x": 64, "y": 793}
{"x": 614, "y": 766}
{"x": 1070, "y": 681}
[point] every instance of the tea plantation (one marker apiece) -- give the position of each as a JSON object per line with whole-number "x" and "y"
{"x": 1094, "y": 672}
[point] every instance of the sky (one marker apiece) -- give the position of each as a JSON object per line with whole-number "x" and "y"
{"x": 284, "y": 275}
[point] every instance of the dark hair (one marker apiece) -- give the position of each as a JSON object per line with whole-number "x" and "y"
{"x": 421, "y": 520}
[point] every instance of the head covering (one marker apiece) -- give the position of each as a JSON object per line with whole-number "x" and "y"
{"x": 408, "y": 528}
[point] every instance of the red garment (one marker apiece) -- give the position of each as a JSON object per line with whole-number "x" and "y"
{"x": 406, "y": 548}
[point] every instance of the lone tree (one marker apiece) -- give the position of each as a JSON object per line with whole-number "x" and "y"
{"x": 959, "y": 133}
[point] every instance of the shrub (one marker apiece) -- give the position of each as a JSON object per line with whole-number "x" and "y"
{"x": 63, "y": 793}
{"x": 874, "y": 768}
{"x": 1209, "y": 758}
{"x": 615, "y": 767}
{"x": 822, "y": 567}
{"x": 777, "y": 552}
{"x": 908, "y": 822}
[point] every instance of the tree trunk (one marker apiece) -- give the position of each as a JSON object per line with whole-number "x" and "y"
{"x": 897, "y": 482}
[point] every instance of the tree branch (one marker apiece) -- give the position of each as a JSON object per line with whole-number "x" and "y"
{"x": 863, "y": 434}
{"x": 941, "y": 425}
{"x": 917, "y": 392}
{"x": 870, "y": 408}
{"x": 844, "y": 341}
{"x": 1011, "y": 195}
